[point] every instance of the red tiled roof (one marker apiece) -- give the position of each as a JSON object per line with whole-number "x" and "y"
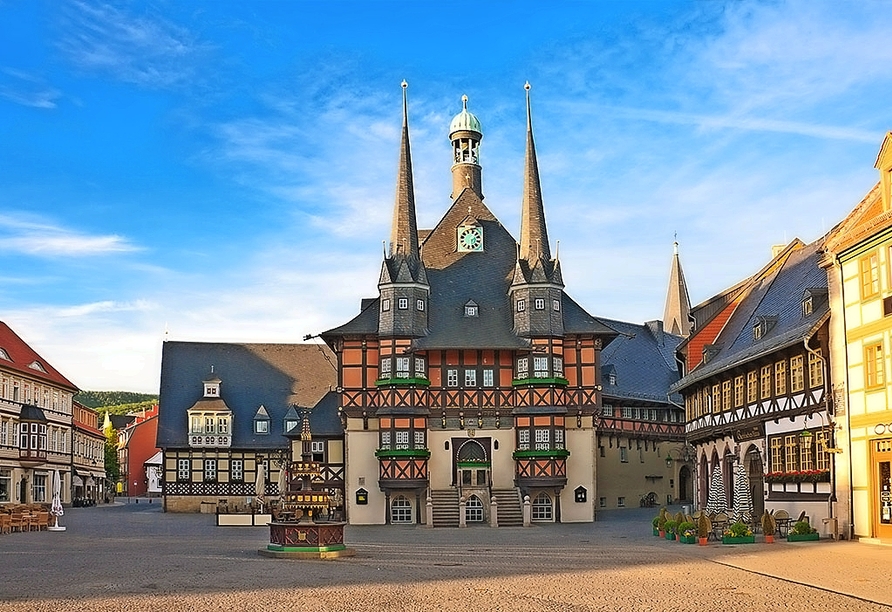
{"x": 21, "y": 356}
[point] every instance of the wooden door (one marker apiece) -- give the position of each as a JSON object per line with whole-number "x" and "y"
{"x": 882, "y": 488}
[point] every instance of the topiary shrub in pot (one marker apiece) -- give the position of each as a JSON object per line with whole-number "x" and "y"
{"x": 769, "y": 527}
{"x": 703, "y": 528}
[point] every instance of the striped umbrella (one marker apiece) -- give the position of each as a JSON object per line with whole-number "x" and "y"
{"x": 743, "y": 497}
{"x": 716, "y": 500}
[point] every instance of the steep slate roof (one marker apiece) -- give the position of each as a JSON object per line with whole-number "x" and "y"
{"x": 21, "y": 356}
{"x": 776, "y": 294}
{"x": 643, "y": 359}
{"x": 273, "y": 375}
{"x": 483, "y": 277}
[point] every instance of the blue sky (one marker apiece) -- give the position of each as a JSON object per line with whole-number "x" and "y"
{"x": 225, "y": 171}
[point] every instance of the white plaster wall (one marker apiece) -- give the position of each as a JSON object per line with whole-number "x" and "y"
{"x": 362, "y": 464}
{"x": 580, "y": 471}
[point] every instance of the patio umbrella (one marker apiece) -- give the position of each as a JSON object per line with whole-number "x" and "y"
{"x": 283, "y": 478}
{"x": 260, "y": 484}
{"x": 56, "y": 506}
{"x": 743, "y": 497}
{"x": 716, "y": 500}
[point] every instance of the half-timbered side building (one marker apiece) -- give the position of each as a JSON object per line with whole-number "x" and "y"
{"x": 225, "y": 409}
{"x": 756, "y": 387}
{"x": 642, "y": 456}
{"x": 472, "y": 376}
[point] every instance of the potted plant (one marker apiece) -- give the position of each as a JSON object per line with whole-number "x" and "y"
{"x": 656, "y": 525}
{"x": 687, "y": 532}
{"x": 802, "y": 531}
{"x": 703, "y": 529}
{"x": 670, "y": 527}
{"x": 738, "y": 533}
{"x": 769, "y": 527}
{"x": 661, "y": 522}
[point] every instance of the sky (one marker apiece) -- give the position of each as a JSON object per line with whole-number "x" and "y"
{"x": 225, "y": 171}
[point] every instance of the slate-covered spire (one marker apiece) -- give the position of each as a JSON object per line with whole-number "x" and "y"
{"x": 536, "y": 289}
{"x": 404, "y": 230}
{"x": 403, "y": 286}
{"x": 533, "y": 233}
{"x": 678, "y": 304}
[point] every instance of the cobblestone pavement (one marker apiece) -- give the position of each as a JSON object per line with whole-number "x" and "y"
{"x": 134, "y": 557}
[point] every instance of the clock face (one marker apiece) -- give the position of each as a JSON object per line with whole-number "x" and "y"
{"x": 470, "y": 239}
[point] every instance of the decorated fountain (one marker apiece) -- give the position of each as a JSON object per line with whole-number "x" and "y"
{"x": 301, "y": 527}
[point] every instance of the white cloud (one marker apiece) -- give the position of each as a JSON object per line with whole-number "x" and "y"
{"x": 25, "y": 89}
{"x": 144, "y": 49}
{"x": 39, "y": 238}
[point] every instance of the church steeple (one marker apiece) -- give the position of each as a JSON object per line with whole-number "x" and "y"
{"x": 678, "y": 304}
{"x": 403, "y": 287}
{"x": 404, "y": 229}
{"x": 533, "y": 233}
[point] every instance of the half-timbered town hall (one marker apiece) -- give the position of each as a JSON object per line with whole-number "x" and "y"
{"x": 473, "y": 371}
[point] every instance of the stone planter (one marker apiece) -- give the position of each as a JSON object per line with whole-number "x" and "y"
{"x": 739, "y": 540}
{"x": 803, "y": 537}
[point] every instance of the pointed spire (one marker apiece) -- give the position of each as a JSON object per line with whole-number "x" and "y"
{"x": 404, "y": 230}
{"x": 533, "y": 233}
{"x": 678, "y": 303}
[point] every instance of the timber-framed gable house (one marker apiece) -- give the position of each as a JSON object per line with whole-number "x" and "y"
{"x": 756, "y": 389}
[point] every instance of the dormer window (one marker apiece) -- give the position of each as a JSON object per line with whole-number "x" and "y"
{"x": 36, "y": 365}
{"x": 4, "y": 354}
{"x": 291, "y": 422}
{"x": 763, "y": 325}
{"x": 471, "y": 309}
{"x": 812, "y": 299}
{"x": 807, "y": 306}
{"x": 261, "y": 421}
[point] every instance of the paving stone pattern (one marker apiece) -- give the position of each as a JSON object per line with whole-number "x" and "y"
{"x": 127, "y": 557}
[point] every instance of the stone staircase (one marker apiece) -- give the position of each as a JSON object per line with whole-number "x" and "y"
{"x": 445, "y": 507}
{"x": 510, "y": 509}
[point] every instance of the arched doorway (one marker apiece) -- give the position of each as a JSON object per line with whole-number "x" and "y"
{"x": 728, "y": 478}
{"x": 542, "y": 508}
{"x": 753, "y": 465}
{"x": 685, "y": 485}
{"x": 472, "y": 464}
{"x": 474, "y": 510}
{"x": 703, "y": 482}
{"x": 400, "y": 510}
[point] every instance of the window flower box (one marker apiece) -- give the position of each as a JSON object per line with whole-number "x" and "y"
{"x": 798, "y": 476}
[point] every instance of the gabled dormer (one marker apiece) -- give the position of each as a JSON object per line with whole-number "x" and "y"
{"x": 812, "y": 300}
{"x": 291, "y": 422}
{"x": 762, "y": 326}
{"x": 710, "y": 351}
{"x": 210, "y": 419}
{"x": 884, "y": 165}
{"x": 261, "y": 422}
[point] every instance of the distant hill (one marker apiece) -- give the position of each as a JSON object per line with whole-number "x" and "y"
{"x": 116, "y": 402}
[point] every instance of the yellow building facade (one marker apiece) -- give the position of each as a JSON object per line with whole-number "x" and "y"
{"x": 859, "y": 263}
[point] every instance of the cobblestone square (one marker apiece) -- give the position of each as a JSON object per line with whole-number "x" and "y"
{"x": 134, "y": 557}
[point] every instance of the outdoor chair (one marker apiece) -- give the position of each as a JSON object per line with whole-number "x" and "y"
{"x": 782, "y": 520}
{"x": 5, "y": 523}
{"x": 16, "y": 521}
{"x": 43, "y": 521}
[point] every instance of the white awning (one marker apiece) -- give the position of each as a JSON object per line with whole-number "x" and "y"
{"x": 77, "y": 481}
